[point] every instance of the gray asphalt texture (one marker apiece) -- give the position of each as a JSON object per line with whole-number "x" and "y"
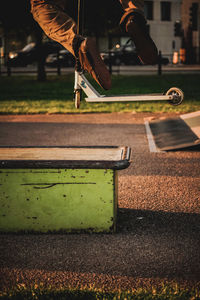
{"x": 158, "y": 226}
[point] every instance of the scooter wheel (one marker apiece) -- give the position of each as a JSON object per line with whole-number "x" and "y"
{"x": 177, "y": 95}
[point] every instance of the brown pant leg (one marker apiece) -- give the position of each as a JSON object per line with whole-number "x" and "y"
{"x": 60, "y": 27}
{"x": 129, "y": 7}
{"x": 55, "y": 22}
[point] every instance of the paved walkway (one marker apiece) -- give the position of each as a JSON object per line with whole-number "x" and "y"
{"x": 123, "y": 70}
{"x": 158, "y": 228}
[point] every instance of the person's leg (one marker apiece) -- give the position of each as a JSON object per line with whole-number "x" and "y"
{"x": 134, "y": 23}
{"x": 55, "y": 22}
{"x": 59, "y": 26}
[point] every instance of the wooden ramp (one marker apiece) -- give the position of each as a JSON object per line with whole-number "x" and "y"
{"x": 176, "y": 133}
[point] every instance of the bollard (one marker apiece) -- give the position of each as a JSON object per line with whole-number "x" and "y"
{"x": 58, "y": 64}
{"x": 182, "y": 53}
{"x": 160, "y": 63}
{"x": 175, "y": 58}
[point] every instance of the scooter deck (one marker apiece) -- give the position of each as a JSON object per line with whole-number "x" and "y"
{"x": 129, "y": 98}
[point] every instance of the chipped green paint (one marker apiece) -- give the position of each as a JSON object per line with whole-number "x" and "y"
{"x": 45, "y": 200}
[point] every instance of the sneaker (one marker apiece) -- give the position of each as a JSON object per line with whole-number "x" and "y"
{"x": 136, "y": 27}
{"x": 91, "y": 61}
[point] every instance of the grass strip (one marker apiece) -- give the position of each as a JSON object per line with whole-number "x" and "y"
{"x": 25, "y": 95}
{"x": 39, "y": 292}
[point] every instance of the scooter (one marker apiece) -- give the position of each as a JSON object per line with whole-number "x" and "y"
{"x": 174, "y": 95}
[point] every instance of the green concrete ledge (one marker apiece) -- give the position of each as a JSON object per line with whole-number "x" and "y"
{"x": 45, "y": 189}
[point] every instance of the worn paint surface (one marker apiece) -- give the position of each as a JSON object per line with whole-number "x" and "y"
{"x": 57, "y": 199}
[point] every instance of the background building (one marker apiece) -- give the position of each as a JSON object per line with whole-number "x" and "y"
{"x": 175, "y": 27}
{"x": 190, "y": 16}
{"x": 161, "y": 16}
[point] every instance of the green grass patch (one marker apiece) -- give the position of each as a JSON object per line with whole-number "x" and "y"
{"x": 39, "y": 292}
{"x": 25, "y": 95}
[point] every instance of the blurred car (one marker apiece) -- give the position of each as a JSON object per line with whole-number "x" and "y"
{"x": 30, "y": 54}
{"x": 125, "y": 55}
{"x": 164, "y": 60}
{"x": 122, "y": 55}
{"x": 62, "y": 58}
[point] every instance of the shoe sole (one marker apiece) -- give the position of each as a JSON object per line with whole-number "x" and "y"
{"x": 147, "y": 50}
{"x": 98, "y": 68}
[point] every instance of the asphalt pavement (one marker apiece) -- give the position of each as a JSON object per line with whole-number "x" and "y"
{"x": 158, "y": 226}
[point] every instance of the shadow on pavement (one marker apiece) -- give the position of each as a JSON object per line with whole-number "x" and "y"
{"x": 141, "y": 221}
{"x": 147, "y": 244}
